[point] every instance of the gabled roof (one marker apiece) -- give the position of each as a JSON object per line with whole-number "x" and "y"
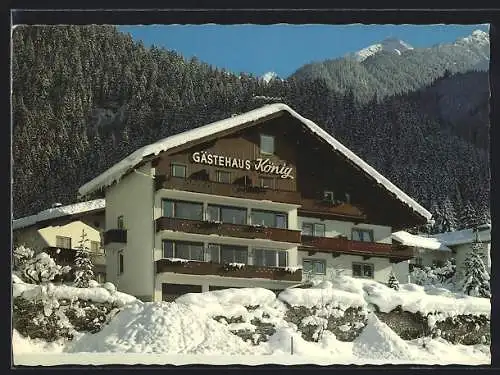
{"x": 413, "y": 240}
{"x": 59, "y": 212}
{"x": 117, "y": 171}
{"x": 463, "y": 236}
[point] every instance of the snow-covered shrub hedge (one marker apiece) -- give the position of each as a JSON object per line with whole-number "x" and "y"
{"x": 88, "y": 316}
{"x": 311, "y": 322}
{"x": 434, "y": 275}
{"x": 30, "y": 320}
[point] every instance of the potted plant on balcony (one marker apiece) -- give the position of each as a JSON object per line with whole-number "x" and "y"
{"x": 227, "y": 267}
{"x": 210, "y": 224}
{"x": 257, "y": 228}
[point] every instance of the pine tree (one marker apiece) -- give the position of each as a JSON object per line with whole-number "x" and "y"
{"x": 468, "y": 218}
{"x": 449, "y": 215}
{"x": 393, "y": 282}
{"x": 476, "y": 280}
{"x": 83, "y": 263}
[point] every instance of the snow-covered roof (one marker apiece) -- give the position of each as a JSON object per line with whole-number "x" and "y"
{"x": 413, "y": 240}
{"x": 57, "y": 212}
{"x": 463, "y": 236}
{"x": 118, "y": 170}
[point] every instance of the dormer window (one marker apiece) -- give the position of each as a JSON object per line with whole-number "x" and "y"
{"x": 178, "y": 170}
{"x": 328, "y": 196}
{"x": 266, "y": 144}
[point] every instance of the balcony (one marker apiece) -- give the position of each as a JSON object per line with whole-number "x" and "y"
{"x": 115, "y": 237}
{"x": 341, "y": 245}
{"x": 229, "y": 190}
{"x": 330, "y": 210}
{"x": 226, "y": 229}
{"x": 247, "y": 271}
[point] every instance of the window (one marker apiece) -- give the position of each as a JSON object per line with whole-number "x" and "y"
{"x": 224, "y": 176}
{"x": 364, "y": 270}
{"x": 95, "y": 246}
{"x": 266, "y": 182}
{"x": 328, "y": 196}
{"x": 233, "y": 254}
{"x": 266, "y": 144}
{"x": 313, "y": 229}
{"x": 314, "y": 266}
{"x": 183, "y": 250}
{"x": 269, "y": 219}
{"x": 365, "y": 235}
{"x": 183, "y": 210}
{"x": 232, "y": 215}
{"x": 270, "y": 258}
{"x": 63, "y": 242}
{"x": 178, "y": 170}
{"x": 120, "y": 262}
{"x": 120, "y": 222}
{"x": 213, "y": 253}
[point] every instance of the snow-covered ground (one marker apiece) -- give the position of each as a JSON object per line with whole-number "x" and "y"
{"x": 185, "y": 331}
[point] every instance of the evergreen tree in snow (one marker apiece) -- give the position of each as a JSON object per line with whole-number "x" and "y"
{"x": 476, "y": 280}
{"x": 393, "y": 282}
{"x": 468, "y": 217}
{"x": 450, "y": 220}
{"x": 83, "y": 263}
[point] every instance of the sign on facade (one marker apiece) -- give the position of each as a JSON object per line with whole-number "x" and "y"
{"x": 259, "y": 164}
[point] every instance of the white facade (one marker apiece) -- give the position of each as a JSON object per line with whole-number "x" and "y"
{"x": 132, "y": 198}
{"x": 136, "y": 201}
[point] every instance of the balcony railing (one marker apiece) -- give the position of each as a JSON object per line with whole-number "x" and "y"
{"x": 225, "y": 189}
{"x": 115, "y": 236}
{"x": 326, "y": 209}
{"x": 247, "y": 271}
{"x": 346, "y": 246}
{"x": 227, "y": 229}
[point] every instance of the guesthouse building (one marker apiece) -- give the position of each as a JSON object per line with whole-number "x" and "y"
{"x": 261, "y": 199}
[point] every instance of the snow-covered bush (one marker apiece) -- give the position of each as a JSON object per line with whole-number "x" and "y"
{"x": 41, "y": 269}
{"x": 83, "y": 263}
{"x": 21, "y": 256}
{"x": 110, "y": 287}
{"x": 434, "y": 275}
{"x": 476, "y": 280}
{"x": 87, "y": 316}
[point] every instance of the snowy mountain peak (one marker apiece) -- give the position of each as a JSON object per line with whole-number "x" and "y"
{"x": 269, "y": 76}
{"x": 392, "y": 45}
{"x": 477, "y": 37}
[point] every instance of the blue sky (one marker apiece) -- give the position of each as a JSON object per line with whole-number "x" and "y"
{"x": 283, "y": 48}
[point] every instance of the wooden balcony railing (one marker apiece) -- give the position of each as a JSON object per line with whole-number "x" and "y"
{"x": 342, "y": 245}
{"x": 325, "y": 209}
{"x": 115, "y": 236}
{"x": 247, "y": 271}
{"x": 226, "y": 229}
{"x": 230, "y": 190}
